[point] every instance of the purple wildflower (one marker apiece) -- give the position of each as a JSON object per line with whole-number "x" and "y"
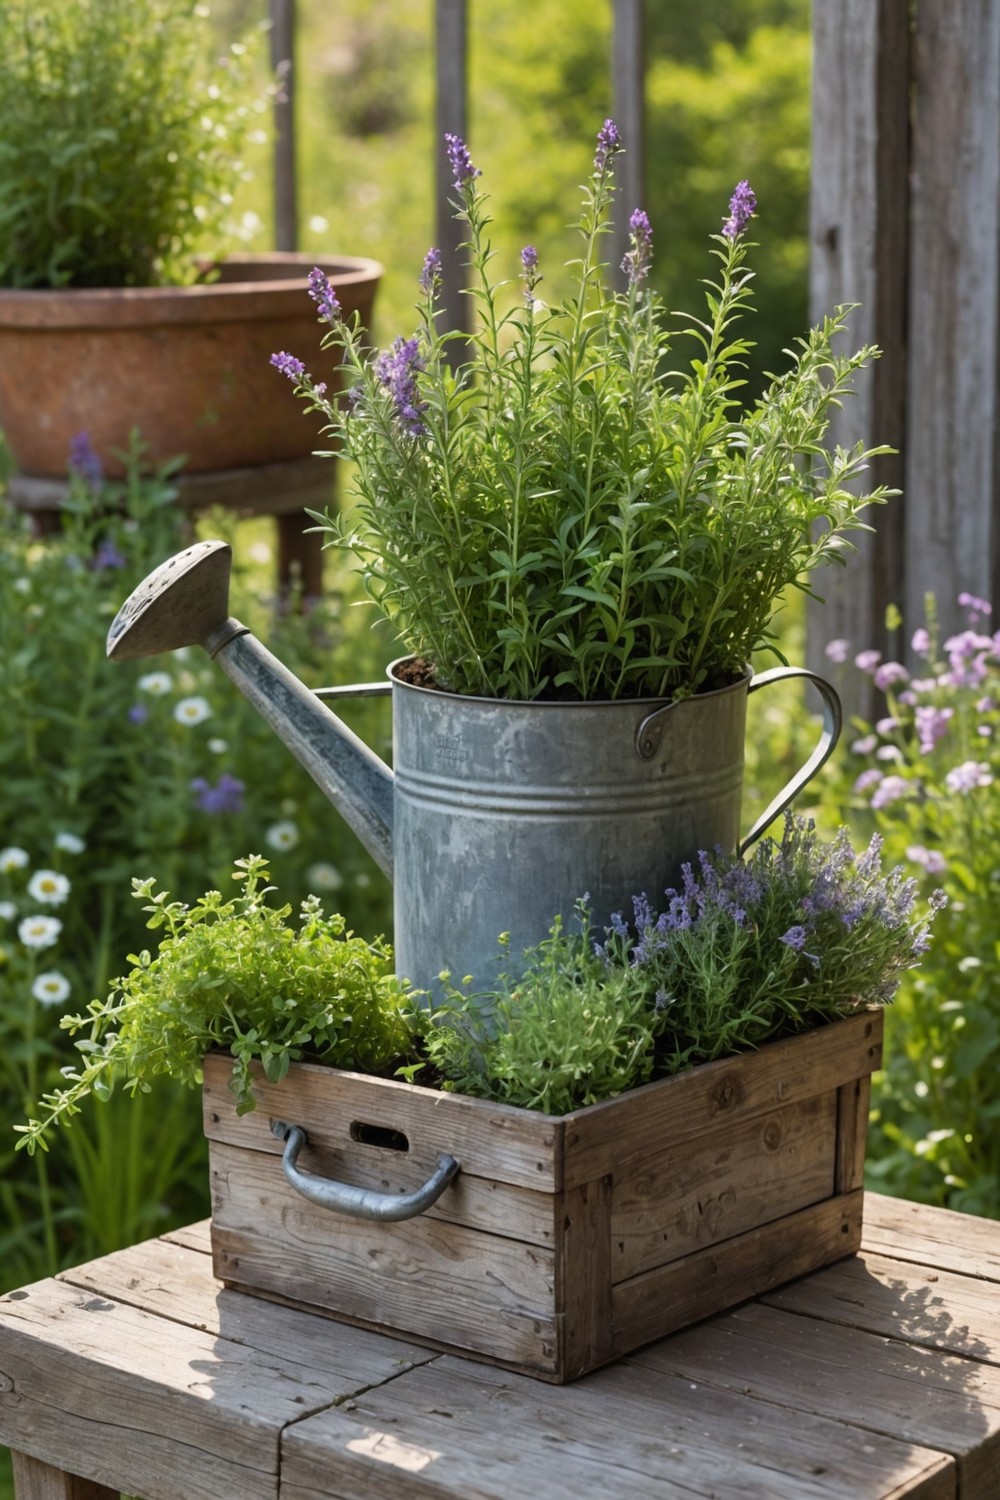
{"x": 460, "y": 161}
{"x": 225, "y": 797}
{"x": 742, "y": 207}
{"x": 107, "y": 556}
{"x": 921, "y": 641}
{"x": 975, "y": 606}
{"x": 288, "y": 365}
{"x": 430, "y": 276}
{"x": 865, "y": 745}
{"x": 609, "y": 143}
{"x": 931, "y": 725}
{"x": 889, "y": 673}
{"x": 930, "y": 860}
{"x": 85, "y": 462}
{"x": 138, "y": 713}
{"x": 837, "y": 650}
{"x": 889, "y": 789}
{"x": 867, "y": 661}
{"x": 324, "y": 296}
{"x": 637, "y": 262}
{"x": 867, "y": 779}
{"x": 968, "y": 776}
{"x": 529, "y": 273}
{"x": 795, "y": 937}
{"x": 397, "y": 371}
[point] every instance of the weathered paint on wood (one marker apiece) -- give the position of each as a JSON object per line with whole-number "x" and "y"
{"x": 676, "y": 1200}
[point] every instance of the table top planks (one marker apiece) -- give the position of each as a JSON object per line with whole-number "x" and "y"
{"x": 877, "y": 1378}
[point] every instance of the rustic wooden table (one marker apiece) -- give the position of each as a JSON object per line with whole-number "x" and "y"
{"x": 878, "y": 1377}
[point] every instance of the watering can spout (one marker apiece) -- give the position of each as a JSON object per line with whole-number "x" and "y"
{"x": 185, "y": 602}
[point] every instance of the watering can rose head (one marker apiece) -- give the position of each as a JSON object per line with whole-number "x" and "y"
{"x": 563, "y": 513}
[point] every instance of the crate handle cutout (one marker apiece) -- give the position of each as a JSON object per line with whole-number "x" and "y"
{"x": 359, "y": 1202}
{"x": 378, "y": 1135}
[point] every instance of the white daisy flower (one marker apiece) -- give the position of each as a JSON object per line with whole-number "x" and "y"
{"x": 218, "y": 747}
{"x": 22, "y": 585}
{"x": 50, "y": 988}
{"x": 192, "y": 711}
{"x": 156, "y": 683}
{"x": 8, "y": 911}
{"x": 39, "y": 931}
{"x": 48, "y": 887}
{"x": 69, "y": 843}
{"x": 12, "y": 858}
{"x": 282, "y": 835}
{"x": 324, "y": 877}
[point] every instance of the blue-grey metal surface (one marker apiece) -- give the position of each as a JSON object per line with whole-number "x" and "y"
{"x": 359, "y": 1202}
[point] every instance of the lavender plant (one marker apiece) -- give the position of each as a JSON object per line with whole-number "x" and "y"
{"x": 742, "y": 954}
{"x": 924, "y": 775}
{"x": 565, "y": 515}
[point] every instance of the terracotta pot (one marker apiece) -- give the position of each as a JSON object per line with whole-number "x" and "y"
{"x": 188, "y": 366}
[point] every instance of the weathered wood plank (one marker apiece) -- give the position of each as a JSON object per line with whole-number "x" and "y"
{"x": 952, "y": 539}
{"x": 679, "y": 1201}
{"x": 173, "y": 1282}
{"x": 932, "y": 1237}
{"x": 34, "y": 1480}
{"x": 732, "y": 1090}
{"x": 853, "y": 1103}
{"x": 134, "y": 1400}
{"x": 626, "y": 1433}
{"x": 191, "y": 1236}
{"x": 868, "y": 1382}
{"x": 936, "y": 1309}
{"x": 583, "y": 1277}
{"x": 858, "y": 253}
{"x": 671, "y": 1296}
{"x": 489, "y": 1140}
{"x": 421, "y": 1278}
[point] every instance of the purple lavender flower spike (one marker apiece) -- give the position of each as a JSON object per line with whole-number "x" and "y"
{"x": 529, "y": 258}
{"x": 742, "y": 207}
{"x": 85, "y": 462}
{"x": 637, "y": 262}
{"x": 795, "y": 938}
{"x": 324, "y": 296}
{"x": 225, "y": 797}
{"x": 609, "y": 143}
{"x": 397, "y": 370}
{"x": 288, "y": 365}
{"x": 460, "y": 161}
{"x": 529, "y": 273}
{"x": 430, "y": 276}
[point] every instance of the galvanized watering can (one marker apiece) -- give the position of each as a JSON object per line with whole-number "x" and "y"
{"x": 497, "y": 815}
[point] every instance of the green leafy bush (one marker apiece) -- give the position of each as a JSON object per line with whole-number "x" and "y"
{"x": 566, "y": 516}
{"x": 122, "y": 142}
{"x": 925, "y": 776}
{"x": 234, "y": 975}
{"x": 743, "y": 954}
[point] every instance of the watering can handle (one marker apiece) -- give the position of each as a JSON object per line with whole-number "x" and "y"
{"x": 359, "y": 1202}
{"x": 833, "y": 718}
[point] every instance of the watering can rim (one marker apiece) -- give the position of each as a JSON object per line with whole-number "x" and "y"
{"x": 558, "y": 703}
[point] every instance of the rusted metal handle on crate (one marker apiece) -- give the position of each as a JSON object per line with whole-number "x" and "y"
{"x": 359, "y": 1202}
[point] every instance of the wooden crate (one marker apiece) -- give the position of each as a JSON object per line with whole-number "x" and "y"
{"x": 566, "y": 1242}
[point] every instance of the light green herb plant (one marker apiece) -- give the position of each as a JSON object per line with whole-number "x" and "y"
{"x": 238, "y": 976}
{"x": 123, "y": 140}
{"x": 567, "y": 515}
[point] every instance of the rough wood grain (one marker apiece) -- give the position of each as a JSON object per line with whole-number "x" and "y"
{"x": 853, "y": 1102}
{"x": 729, "y": 1091}
{"x": 133, "y": 1400}
{"x": 687, "y": 1197}
{"x": 583, "y": 1278}
{"x": 34, "y": 1480}
{"x": 881, "y": 1385}
{"x": 422, "y": 1278}
{"x": 625, "y": 1433}
{"x": 489, "y": 1140}
{"x": 671, "y": 1296}
{"x": 932, "y": 1237}
{"x": 936, "y": 1309}
{"x": 174, "y": 1282}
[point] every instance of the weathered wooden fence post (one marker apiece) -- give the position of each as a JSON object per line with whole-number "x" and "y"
{"x": 905, "y": 221}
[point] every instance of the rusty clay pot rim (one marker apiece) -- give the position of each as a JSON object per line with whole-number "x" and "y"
{"x": 213, "y": 302}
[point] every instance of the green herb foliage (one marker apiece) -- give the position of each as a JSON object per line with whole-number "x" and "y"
{"x": 122, "y": 140}
{"x": 925, "y": 774}
{"x": 235, "y": 975}
{"x": 565, "y": 516}
{"x": 743, "y": 954}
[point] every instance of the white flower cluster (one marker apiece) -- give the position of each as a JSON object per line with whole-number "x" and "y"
{"x": 38, "y": 930}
